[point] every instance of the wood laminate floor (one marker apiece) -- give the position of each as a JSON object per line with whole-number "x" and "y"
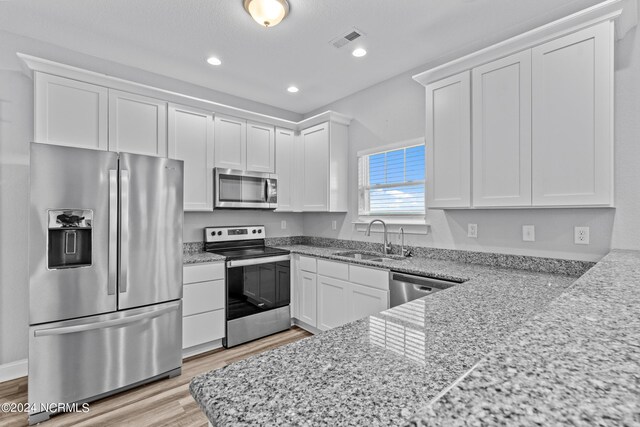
{"x": 163, "y": 403}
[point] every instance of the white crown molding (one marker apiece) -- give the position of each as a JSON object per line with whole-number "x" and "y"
{"x": 606, "y": 11}
{"x": 35, "y": 64}
{"x": 13, "y": 370}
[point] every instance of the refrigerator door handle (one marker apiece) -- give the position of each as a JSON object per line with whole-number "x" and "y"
{"x": 113, "y": 232}
{"x": 124, "y": 230}
{"x": 107, "y": 323}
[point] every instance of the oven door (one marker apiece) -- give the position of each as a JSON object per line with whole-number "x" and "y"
{"x": 257, "y": 285}
{"x": 241, "y": 189}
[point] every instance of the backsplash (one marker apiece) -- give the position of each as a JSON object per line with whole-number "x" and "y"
{"x": 519, "y": 262}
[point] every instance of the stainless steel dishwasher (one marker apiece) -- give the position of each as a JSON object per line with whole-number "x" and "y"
{"x": 407, "y": 287}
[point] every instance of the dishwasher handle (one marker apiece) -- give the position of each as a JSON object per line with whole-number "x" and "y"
{"x": 420, "y": 283}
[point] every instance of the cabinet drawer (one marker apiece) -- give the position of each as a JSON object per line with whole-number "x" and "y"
{"x": 339, "y": 270}
{"x": 308, "y": 264}
{"x": 203, "y": 296}
{"x": 371, "y": 277}
{"x": 203, "y": 272}
{"x": 201, "y": 328}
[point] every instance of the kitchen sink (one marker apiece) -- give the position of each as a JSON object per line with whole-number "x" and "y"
{"x": 368, "y": 256}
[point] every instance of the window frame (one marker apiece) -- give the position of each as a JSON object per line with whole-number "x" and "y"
{"x": 402, "y": 217}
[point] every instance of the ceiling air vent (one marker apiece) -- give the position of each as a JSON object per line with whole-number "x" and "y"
{"x": 347, "y": 38}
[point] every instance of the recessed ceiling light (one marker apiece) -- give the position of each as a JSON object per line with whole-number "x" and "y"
{"x": 214, "y": 61}
{"x": 359, "y": 52}
{"x": 292, "y": 89}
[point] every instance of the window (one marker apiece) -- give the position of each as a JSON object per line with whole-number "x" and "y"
{"x": 391, "y": 181}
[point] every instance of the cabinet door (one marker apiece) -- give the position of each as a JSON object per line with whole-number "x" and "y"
{"x": 69, "y": 112}
{"x": 191, "y": 140}
{"x": 448, "y": 142}
{"x": 333, "y": 302}
{"x": 572, "y": 119}
{"x": 230, "y": 142}
{"x": 137, "y": 124}
{"x": 365, "y": 301}
{"x": 502, "y": 132}
{"x": 307, "y": 298}
{"x": 260, "y": 148}
{"x": 315, "y": 168}
{"x": 285, "y": 162}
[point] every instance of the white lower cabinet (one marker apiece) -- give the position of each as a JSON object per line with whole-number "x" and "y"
{"x": 328, "y": 294}
{"x": 307, "y": 297}
{"x": 365, "y": 301}
{"x": 203, "y": 323}
{"x": 333, "y": 302}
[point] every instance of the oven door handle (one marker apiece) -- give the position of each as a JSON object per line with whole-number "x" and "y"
{"x": 258, "y": 261}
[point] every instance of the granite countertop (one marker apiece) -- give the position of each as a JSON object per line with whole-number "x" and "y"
{"x": 384, "y": 369}
{"x": 200, "y": 257}
{"x": 576, "y": 363}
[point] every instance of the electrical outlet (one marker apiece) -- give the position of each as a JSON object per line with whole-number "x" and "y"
{"x": 581, "y": 235}
{"x": 528, "y": 233}
{"x": 334, "y": 225}
{"x": 472, "y": 231}
{"x": 283, "y": 224}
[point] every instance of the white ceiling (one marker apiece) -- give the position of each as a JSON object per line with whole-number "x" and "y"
{"x": 174, "y": 38}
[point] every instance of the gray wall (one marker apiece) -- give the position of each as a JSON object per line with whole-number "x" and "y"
{"x": 394, "y": 111}
{"x": 16, "y": 131}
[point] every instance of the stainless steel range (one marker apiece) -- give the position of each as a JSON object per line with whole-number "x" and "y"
{"x": 258, "y": 282}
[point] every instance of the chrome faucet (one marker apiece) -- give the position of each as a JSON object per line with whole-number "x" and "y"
{"x": 404, "y": 252}
{"x": 386, "y": 245}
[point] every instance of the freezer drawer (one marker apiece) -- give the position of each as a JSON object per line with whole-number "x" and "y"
{"x": 81, "y": 359}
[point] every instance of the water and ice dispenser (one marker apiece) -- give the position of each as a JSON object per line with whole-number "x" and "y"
{"x": 70, "y": 238}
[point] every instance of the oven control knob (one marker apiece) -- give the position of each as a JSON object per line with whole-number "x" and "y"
{"x": 254, "y": 231}
{"x": 219, "y": 233}
{"x": 213, "y": 233}
{"x": 259, "y": 231}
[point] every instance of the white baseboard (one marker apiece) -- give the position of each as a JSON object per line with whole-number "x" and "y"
{"x": 299, "y": 323}
{"x": 202, "y": 348}
{"x": 13, "y": 370}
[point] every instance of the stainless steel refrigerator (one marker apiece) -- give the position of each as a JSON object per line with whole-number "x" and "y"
{"x": 105, "y": 286}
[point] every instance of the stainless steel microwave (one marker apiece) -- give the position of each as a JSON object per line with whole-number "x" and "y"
{"x": 239, "y": 189}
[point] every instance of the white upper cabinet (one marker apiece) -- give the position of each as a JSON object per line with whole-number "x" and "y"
{"x": 260, "y": 147}
{"x": 448, "y": 142}
{"x": 323, "y": 168}
{"x": 191, "y": 140}
{"x": 502, "y": 132}
{"x": 315, "y": 178}
{"x": 285, "y": 166}
{"x": 69, "y": 112}
{"x": 244, "y": 145}
{"x": 572, "y": 119}
{"x": 230, "y": 142}
{"x": 137, "y": 124}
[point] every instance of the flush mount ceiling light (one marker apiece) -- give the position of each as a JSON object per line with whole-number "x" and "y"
{"x": 359, "y": 52}
{"x": 267, "y": 13}
{"x": 292, "y": 89}
{"x": 214, "y": 61}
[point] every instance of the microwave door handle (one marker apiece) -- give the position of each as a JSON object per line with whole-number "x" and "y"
{"x": 266, "y": 190}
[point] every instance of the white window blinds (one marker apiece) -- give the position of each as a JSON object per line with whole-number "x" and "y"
{"x": 392, "y": 182}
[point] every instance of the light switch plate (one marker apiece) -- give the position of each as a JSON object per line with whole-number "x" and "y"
{"x": 334, "y": 225}
{"x": 529, "y": 233}
{"x": 283, "y": 224}
{"x": 581, "y": 235}
{"x": 472, "y": 231}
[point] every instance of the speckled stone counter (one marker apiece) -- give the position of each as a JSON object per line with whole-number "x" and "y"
{"x": 576, "y": 363}
{"x": 384, "y": 369}
{"x": 193, "y": 253}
